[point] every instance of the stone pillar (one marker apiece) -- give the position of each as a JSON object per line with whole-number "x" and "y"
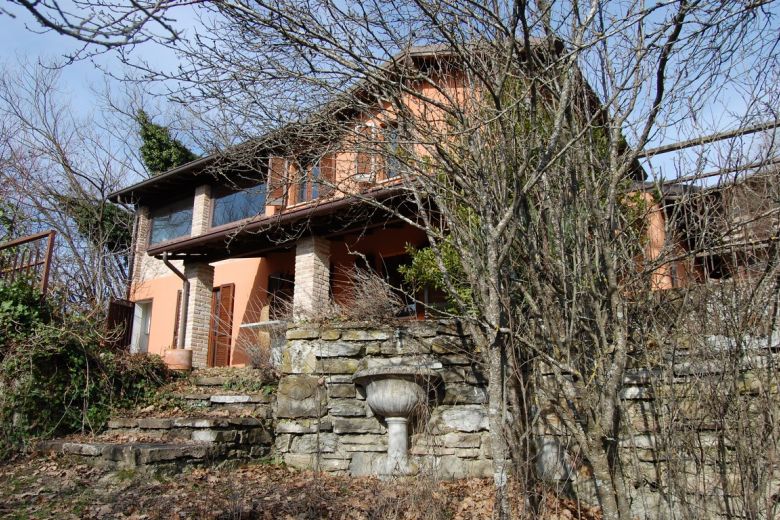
{"x": 201, "y": 210}
{"x": 312, "y": 276}
{"x": 196, "y": 337}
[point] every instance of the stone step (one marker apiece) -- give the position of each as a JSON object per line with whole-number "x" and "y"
{"x": 224, "y": 398}
{"x": 241, "y": 431}
{"x": 226, "y": 377}
{"x": 166, "y": 456}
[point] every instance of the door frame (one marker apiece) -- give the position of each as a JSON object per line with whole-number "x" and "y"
{"x": 142, "y": 317}
{"x": 214, "y": 325}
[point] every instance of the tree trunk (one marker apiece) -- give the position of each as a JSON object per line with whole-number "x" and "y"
{"x": 605, "y": 488}
{"x": 496, "y": 409}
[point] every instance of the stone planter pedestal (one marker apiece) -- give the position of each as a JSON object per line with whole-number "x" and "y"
{"x": 397, "y": 393}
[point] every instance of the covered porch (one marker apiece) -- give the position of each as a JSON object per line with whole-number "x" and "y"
{"x": 301, "y": 268}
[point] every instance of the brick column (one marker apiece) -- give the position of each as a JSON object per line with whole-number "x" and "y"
{"x": 201, "y": 278}
{"x": 142, "y": 231}
{"x": 312, "y": 276}
{"x": 201, "y": 210}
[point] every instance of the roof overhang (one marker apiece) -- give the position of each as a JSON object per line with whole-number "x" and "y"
{"x": 161, "y": 187}
{"x": 265, "y": 234}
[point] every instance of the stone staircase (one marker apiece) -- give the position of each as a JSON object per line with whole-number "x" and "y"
{"x": 204, "y": 421}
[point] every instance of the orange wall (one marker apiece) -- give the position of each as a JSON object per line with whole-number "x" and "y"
{"x": 162, "y": 291}
{"x": 250, "y": 279}
{"x": 378, "y": 243}
{"x": 657, "y": 245}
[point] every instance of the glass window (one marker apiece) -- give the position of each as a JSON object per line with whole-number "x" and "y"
{"x": 302, "y": 187}
{"x": 315, "y": 180}
{"x": 238, "y": 205}
{"x": 392, "y": 150}
{"x": 171, "y": 221}
{"x": 308, "y": 187}
{"x": 365, "y": 154}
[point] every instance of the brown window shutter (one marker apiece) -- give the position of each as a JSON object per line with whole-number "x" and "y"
{"x": 176, "y": 320}
{"x": 277, "y": 181}
{"x": 328, "y": 175}
{"x": 225, "y": 324}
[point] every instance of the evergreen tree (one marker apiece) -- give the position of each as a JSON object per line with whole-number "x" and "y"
{"x": 104, "y": 224}
{"x": 160, "y": 151}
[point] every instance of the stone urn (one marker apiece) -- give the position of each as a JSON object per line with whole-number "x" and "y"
{"x": 397, "y": 393}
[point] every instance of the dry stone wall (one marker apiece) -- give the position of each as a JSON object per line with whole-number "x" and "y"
{"x": 698, "y": 439}
{"x": 684, "y": 444}
{"x": 323, "y": 421}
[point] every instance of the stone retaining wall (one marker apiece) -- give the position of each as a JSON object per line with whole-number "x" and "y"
{"x": 322, "y": 417}
{"x": 673, "y": 456}
{"x": 692, "y": 441}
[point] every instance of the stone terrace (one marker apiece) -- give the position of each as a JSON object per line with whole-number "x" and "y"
{"x": 204, "y": 423}
{"x": 322, "y": 417}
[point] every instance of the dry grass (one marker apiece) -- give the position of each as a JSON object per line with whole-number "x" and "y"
{"x": 368, "y": 298}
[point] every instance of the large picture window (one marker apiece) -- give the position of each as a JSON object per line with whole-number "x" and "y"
{"x": 231, "y": 206}
{"x": 171, "y": 221}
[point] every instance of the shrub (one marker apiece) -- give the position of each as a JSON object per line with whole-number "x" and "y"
{"x": 21, "y": 308}
{"x": 57, "y": 378}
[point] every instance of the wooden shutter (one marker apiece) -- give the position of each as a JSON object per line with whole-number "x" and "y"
{"x": 221, "y": 326}
{"x": 119, "y": 323}
{"x": 176, "y": 320}
{"x": 277, "y": 181}
{"x": 328, "y": 175}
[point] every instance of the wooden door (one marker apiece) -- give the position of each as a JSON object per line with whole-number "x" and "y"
{"x": 221, "y": 328}
{"x": 119, "y": 323}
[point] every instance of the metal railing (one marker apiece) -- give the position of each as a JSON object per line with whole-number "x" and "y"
{"x": 28, "y": 257}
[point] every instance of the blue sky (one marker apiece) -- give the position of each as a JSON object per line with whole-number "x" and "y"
{"x": 78, "y": 79}
{"x": 18, "y": 43}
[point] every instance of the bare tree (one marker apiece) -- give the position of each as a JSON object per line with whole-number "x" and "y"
{"x": 58, "y": 169}
{"x": 101, "y": 24}
{"x": 520, "y": 152}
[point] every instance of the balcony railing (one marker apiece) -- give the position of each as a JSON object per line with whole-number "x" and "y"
{"x": 28, "y": 258}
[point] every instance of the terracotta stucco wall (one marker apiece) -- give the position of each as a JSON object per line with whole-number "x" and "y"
{"x": 162, "y": 291}
{"x": 250, "y": 277}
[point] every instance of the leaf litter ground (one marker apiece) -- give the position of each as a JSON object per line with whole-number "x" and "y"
{"x": 60, "y": 487}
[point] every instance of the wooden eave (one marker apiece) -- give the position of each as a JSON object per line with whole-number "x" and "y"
{"x": 264, "y": 234}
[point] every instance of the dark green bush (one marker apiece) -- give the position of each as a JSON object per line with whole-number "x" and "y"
{"x": 57, "y": 378}
{"x": 21, "y": 308}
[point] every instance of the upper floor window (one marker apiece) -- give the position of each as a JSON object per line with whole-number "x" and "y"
{"x": 392, "y": 148}
{"x": 366, "y": 154}
{"x": 171, "y": 221}
{"x": 308, "y": 186}
{"x": 377, "y": 152}
{"x": 230, "y": 205}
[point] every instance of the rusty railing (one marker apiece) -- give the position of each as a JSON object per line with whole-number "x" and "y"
{"x": 29, "y": 257}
